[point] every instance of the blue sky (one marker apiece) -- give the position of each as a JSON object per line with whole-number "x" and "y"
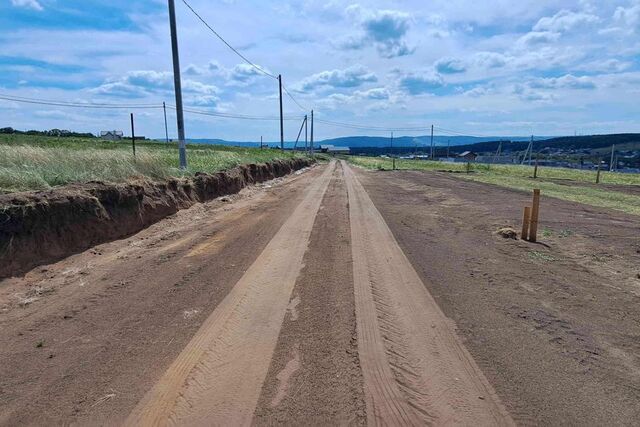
{"x": 497, "y": 67}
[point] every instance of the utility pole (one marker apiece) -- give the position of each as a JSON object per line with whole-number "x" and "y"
{"x": 311, "y": 132}
{"x": 166, "y": 128}
{"x": 133, "y": 137}
{"x": 393, "y": 158}
{"x": 613, "y": 150}
{"x": 182, "y": 146}
{"x": 531, "y": 150}
{"x": 432, "y": 142}
{"x": 261, "y": 142}
{"x": 306, "y": 136}
{"x": 281, "y": 118}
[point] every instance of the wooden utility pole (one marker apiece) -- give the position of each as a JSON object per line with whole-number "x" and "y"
{"x": 432, "y": 142}
{"x": 281, "y": 117}
{"x": 306, "y": 139}
{"x": 393, "y": 159}
{"x": 166, "y": 128}
{"x": 182, "y": 145}
{"x": 133, "y": 137}
{"x": 311, "y": 147}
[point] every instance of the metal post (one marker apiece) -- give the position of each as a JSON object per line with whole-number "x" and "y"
{"x": 431, "y": 142}
{"x": 311, "y": 131}
{"x": 261, "y": 142}
{"x": 133, "y": 137}
{"x": 531, "y": 152}
{"x": 166, "y": 128}
{"x": 182, "y": 146}
{"x": 613, "y": 150}
{"x": 281, "y": 118}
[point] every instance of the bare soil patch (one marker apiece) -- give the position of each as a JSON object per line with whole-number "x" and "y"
{"x": 554, "y": 326}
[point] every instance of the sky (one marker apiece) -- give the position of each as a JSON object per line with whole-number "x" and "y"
{"x": 496, "y": 67}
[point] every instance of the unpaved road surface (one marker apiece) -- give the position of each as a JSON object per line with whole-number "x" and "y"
{"x": 335, "y": 296}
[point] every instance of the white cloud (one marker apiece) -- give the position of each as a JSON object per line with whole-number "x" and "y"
{"x": 354, "y": 76}
{"x": 565, "y": 82}
{"x": 420, "y": 83}
{"x": 384, "y": 29}
{"x": 538, "y": 37}
{"x": 564, "y": 21}
{"x": 29, "y": 4}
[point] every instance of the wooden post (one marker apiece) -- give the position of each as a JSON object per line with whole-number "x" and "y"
{"x": 598, "y": 174}
{"x": 535, "y": 169}
{"x": 525, "y": 223}
{"x": 535, "y": 209}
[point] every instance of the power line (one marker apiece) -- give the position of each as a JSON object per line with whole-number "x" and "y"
{"x": 260, "y": 69}
{"x": 293, "y": 99}
{"x": 372, "y": 128}
{"x": 232, "y": 116}
{"x": 74, "y": 104}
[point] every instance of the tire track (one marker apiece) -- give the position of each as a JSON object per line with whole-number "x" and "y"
{"x": 415, "y": 369}
{"x": 217, "y": 378}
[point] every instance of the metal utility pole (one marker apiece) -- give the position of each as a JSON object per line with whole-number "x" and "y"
{"x": 613, "y": 150}
{"x": 166, "y": 128}
{"x": 431, "y": 142}
{"x": 182, "y": 146}
{"x": 311, "y": 131}
{"x": 531, "y": 150}
{"x": 133, "y": 137}
{"x": 281, "y": 118}
{"x": 306, "y": 136}
{"x": 261, "y": 142}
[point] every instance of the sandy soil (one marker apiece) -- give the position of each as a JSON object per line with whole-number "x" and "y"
{"x": 335, "y": 296}
{"x": 554, "y": 326}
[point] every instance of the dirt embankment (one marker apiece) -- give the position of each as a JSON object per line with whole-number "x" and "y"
{"x": 42, "y": 227}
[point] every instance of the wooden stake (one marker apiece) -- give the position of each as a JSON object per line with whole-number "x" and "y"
{"x": 525, "y": 223}
{"x": 598, "y": 174}
{"x": 535, "y": 169}
{"x": 535, "y": 209}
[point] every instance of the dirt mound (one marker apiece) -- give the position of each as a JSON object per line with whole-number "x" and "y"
{"x": 507, "y": 233}
{"x": 42, "y": 227}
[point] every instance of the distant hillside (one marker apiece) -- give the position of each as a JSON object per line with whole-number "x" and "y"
{"x": 592, "y": 142}
{"x": 410, "y": 141}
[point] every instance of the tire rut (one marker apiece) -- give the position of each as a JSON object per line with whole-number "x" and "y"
{"x": 416, "y": 370}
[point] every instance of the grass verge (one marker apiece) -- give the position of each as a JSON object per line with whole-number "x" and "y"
{"x": 567, "y": 184}
{"x": 37, "y": 162}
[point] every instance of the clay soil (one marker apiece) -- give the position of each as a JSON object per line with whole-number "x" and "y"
{"x": 335, "y": 296}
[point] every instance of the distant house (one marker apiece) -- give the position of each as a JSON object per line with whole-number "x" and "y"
{"x": 468, "y": 156}
{"x": 331, "y": 149}
{"x": 111, "y": 135}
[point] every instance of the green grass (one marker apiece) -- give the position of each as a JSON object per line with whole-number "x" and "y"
{"x": 567, "y": 184}
{"x": 38, "y": 162}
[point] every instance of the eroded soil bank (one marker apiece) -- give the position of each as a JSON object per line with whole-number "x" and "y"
{"x": 45, "y": 226}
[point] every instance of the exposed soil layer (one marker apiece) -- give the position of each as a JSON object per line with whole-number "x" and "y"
{"x": 41, "y": 227}
{"x": 554, "y": 326}
{"x": 83, "y": 340}
{"x": 315, "y": 377}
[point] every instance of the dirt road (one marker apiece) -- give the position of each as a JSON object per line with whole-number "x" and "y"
{"x": 333, "y": 296}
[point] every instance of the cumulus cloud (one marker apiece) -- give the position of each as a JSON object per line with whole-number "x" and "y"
{"x": 384, "y": 29}
{"x": 354, "y": 76}
{"x": 628, "y": 17}
{"x": 141, "y": 83}
{"x": 450, "y": 66}
{"x": 564, "y": 21}
{"x": 538, "y": 37}
{"x": 567, "y": 81}
{"x": 420, "y": 83}
{"x": 28, "y": 4}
